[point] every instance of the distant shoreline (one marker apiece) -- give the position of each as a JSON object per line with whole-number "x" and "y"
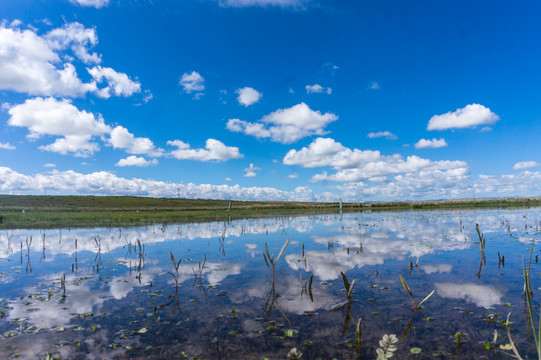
{"x": 43, "y": 211}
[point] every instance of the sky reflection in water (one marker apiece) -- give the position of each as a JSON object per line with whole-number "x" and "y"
{"x": 119, "y": 297}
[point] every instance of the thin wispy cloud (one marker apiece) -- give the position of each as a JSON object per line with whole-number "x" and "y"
{"x": 385, "y": 134}
{"x": 91, "y": 3}
{"x": 7, "y": 146}
{"x": 317, "y": 89}
{"x": 526, "y": 165}
{"x": 263, "y": 3}
{"x": 251, "y": 171}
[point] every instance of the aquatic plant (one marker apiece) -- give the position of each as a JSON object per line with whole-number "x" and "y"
{"x": 410, "y": 293}
{"x": 176, "y": 265}
{"x": 536, "y": 330}
{"x": 270, "y": 261}
{"x": 348, "y": 286}
{"x": 482, "y": 242}
{"x": 386, "y": 347}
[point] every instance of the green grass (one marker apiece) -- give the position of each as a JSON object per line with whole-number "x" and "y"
{"x": 29, "y": 211}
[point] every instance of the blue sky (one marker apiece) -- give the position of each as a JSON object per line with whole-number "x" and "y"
{"x": 271, "y": 99}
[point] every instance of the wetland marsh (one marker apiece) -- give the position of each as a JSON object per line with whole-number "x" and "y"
{"x": 206, "y": 290}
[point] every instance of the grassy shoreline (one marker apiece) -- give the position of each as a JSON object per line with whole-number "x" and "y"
{"x": 42, "y": 211}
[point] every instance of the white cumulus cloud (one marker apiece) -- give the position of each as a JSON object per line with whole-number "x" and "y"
{"x": 133, "y": 160}
{"x": 214, "y": 150}
{"x": 29, "y": 65}
{"x": 248, "y": 96}
{"x": 118, "y": 84}
{"x": 386, "y": 134}
{"x": 43, "y": 65}
{"x": 49, "y": 116}
{"x": 78, "y": 38}
{"x": 468, "y": 117}
{"x": 121, "y": 138}
{"x": 285, "y": 126}
{"x": 357, "y": 165}
{"x": 192, "y": 82}
{"x": 430, "y": 144}
{"x": 521, "y": 165}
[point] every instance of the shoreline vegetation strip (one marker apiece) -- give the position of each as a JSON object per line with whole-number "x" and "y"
{"x": 43, "y": 211}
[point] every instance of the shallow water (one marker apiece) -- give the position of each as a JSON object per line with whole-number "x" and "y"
{"x": 110, "y": 293}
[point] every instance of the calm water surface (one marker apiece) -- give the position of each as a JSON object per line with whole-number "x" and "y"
{"x": 115, "y": 293}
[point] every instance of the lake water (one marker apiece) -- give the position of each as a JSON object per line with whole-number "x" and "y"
{"x": 115, "y": 293}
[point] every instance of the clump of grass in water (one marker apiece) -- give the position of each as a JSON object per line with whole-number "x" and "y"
{"x": 529, "y": 312}
{"x": 176, "y": 265}
{"x": 271, "y": 265}
{"x": 410, "y": 293}
{"x": 269, "y": 259}
{"x": 482, "y": 242}
{"x": 415, "y": 306}
{"x": 348, "y": 287}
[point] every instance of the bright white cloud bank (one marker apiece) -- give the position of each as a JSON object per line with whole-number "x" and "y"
{"x": 43, "y": 65}
{"x": 430, "y": 144}
{"x": 285, "y": 126}
{"x": 361, "y": 165}
{"x": 104, "y": 182}
{"x": 468, "y": 117}
{"x": 424, "y": 184}
{"x": 248, "y": 96}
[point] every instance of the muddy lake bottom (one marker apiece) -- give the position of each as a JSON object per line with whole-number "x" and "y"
{"x": 206, "y": 291}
